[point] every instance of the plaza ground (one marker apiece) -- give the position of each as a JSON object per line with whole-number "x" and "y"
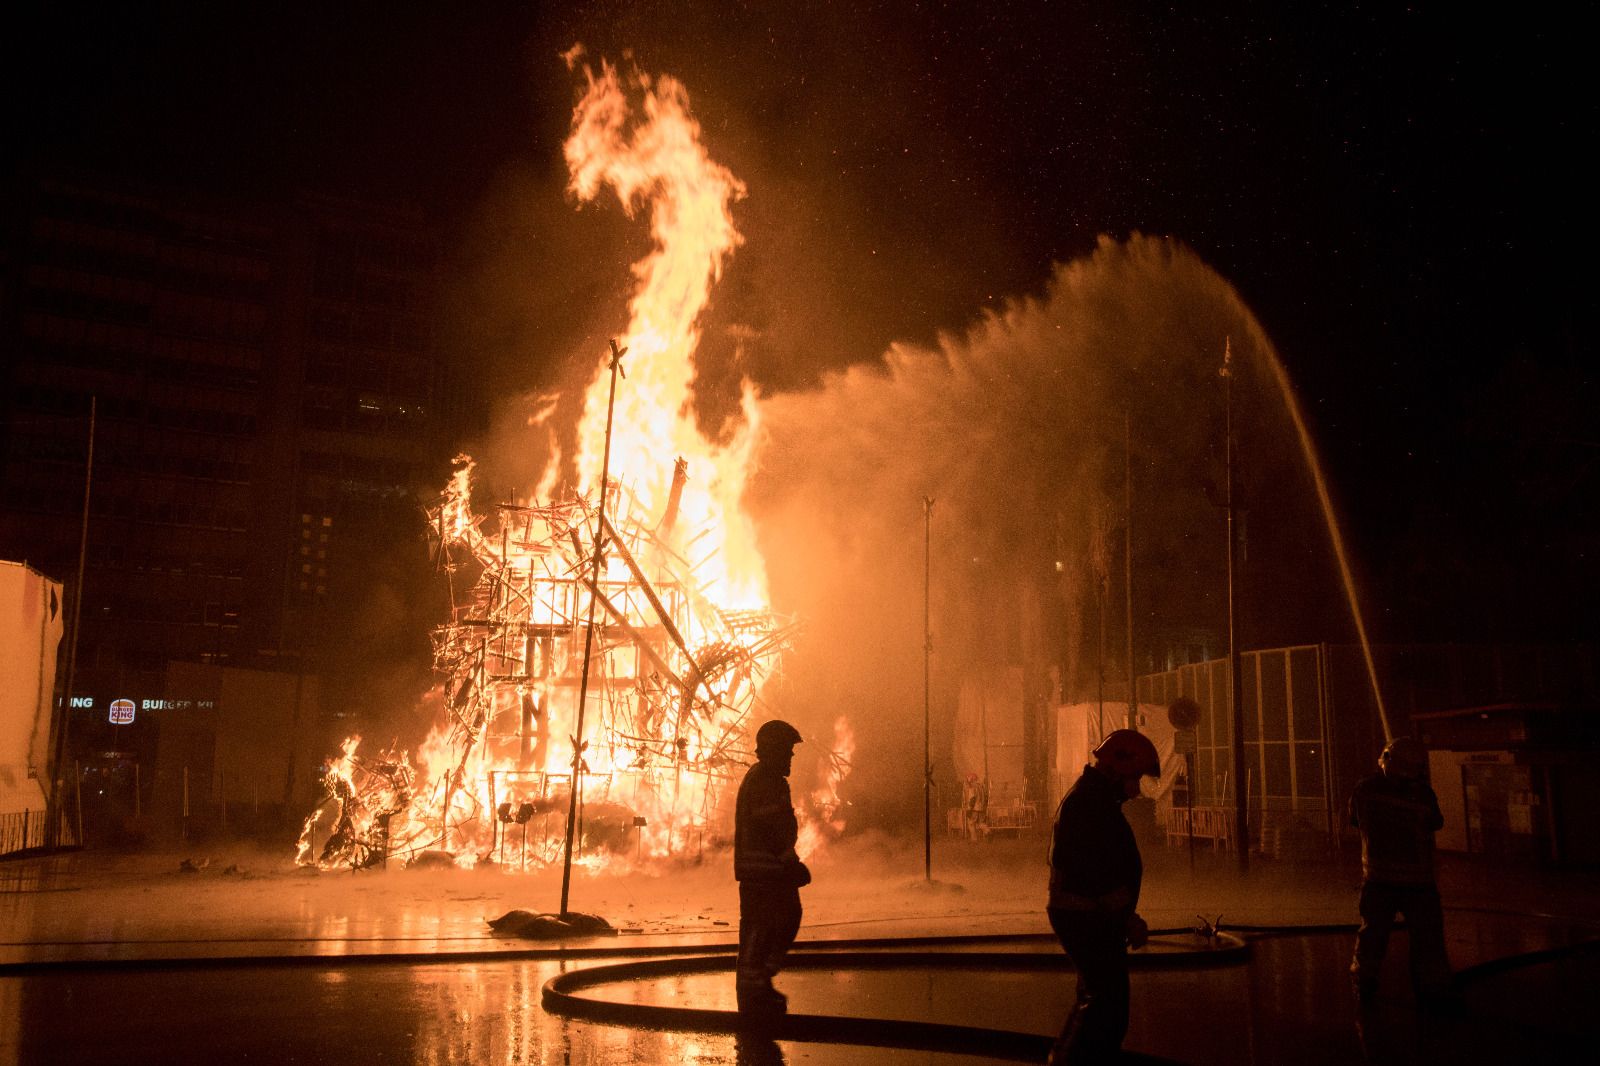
{"x": 108, "y": 958}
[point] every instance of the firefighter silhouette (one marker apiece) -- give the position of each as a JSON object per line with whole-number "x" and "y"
{"x": 769, "y": 872}
{"x": 1095, "y": 873}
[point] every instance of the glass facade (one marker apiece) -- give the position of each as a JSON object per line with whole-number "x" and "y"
{"x": 1284, "y": 727}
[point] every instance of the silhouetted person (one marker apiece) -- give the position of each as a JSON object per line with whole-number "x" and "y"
{"x": 1397, "y": 814}
{"x": 974, "y": 804}
{"x": 769, "y": 872}
{"x": 1095, "y": 872}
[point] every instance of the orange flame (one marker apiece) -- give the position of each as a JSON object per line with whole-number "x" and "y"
{"x": 822, "y": 817}
{"x": 684, "y": 639}
{"x": 658, "y": 161}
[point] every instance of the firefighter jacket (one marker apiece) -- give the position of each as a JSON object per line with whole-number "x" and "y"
{"x": 1094, "y": 859}
{"x": 1397, "y": 817}
{"x": 765, "y": 829}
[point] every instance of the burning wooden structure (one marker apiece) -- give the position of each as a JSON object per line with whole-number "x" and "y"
{"x": 682, "y": 641}
{"x": 673, "y": 680}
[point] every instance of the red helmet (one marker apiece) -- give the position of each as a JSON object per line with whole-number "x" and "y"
{"x": 1129, "y": 753}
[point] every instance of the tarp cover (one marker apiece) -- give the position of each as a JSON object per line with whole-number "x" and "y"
{"x": 1078, "y": 732}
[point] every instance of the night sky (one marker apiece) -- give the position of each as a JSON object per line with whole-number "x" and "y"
{"x": 1394, "y": 191}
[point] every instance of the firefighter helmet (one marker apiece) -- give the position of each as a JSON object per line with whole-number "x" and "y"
{"x": 1129, "y": 753}
{"x": 777, "y": 736}
{"x": 1404, "y": 757}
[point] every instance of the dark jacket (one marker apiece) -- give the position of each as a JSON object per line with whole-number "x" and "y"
{"x": 1094, "y": 859}
{"x": 764, "y": 828}
{"x": 1397, "y": 817}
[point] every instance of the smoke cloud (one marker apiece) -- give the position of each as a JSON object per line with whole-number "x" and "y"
{"x": 1016, "y": 429}
{"x": 1014, "y": 426}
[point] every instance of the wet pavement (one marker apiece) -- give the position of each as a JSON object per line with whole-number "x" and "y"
{"x": 107, "y": 959}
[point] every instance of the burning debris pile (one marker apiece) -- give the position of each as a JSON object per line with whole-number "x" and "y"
{"x": 672, "y": 682}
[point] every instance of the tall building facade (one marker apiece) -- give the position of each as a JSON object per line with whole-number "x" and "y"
{"x": 265, "y": 390}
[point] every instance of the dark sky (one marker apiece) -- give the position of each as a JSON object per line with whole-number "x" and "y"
{"x": 1394, "y": 190}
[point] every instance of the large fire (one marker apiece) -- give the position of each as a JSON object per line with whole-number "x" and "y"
{"x": 684, "y": 642}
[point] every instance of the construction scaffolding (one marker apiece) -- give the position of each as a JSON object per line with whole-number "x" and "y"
{"x": 674, "y": 681}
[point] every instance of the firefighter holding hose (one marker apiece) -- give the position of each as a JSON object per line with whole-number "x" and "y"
{"x": 769, "y": 872}
{"x": 1095, "y": 873}
{"x": 1397, "y": 814}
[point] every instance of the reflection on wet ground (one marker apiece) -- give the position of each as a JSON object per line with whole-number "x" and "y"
{"x": 442, "y": 1015}
{"x": 1288, "y": 1003}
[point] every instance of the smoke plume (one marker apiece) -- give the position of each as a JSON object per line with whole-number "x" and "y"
{"x": 1016, "y": 430}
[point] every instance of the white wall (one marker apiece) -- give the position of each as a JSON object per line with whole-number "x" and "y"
{"x": 31, "y": 625}
{"x": 1444, "y": 773}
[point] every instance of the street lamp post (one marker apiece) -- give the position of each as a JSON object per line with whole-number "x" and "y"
{"x": 52, "y": 825}
{"x": 1127, "y": 561}
{"x": 927, "y": 658}
{"x": 1241, "y": 813}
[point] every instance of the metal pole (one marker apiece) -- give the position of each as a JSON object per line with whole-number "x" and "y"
{"x": 1328, "y": 786}
{"x": 1127, "y": 559}
{"x": 1188, "y": 773}
{"x": 1241, "y": 813}
{"x": 927, "y": 658}
{"x": 1102, "y": 578}
{"x": 300, "y": 661}
{"x": 588, "y": 637}
{"x": 53, "y": 818}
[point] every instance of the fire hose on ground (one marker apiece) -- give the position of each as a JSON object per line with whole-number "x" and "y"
{"x": 1223, "y": 946}
{"x": 560, "y": 994}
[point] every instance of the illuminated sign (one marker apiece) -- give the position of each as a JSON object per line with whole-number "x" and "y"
{"x": 126, "y": 707}
{"x": 178, "y": 705}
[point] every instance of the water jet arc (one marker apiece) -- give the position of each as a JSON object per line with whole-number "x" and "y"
{"x": 1314, "y": 465}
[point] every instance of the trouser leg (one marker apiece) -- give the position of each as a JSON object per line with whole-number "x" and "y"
{"x": 785, "y": 927}
{"x": 769, "y": 920}
{"x": 1430, "y": 963}
{"x": 1377, "y": 907}
{"x": 755, "y": 936}
{"x": 1095, "y": 1027}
